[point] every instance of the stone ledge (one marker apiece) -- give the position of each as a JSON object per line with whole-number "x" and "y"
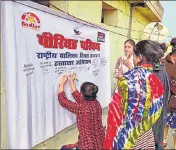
{"x": 153, "y": 10}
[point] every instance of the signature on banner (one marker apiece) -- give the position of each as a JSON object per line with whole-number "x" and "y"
{"x": 103, "y": 62}
{"x": 96, "y": 63}
{"x": 29, "y": 69}
{"x": 96, "y": 72}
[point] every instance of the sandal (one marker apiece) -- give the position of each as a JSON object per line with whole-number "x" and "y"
{"x": 164, "y": 145}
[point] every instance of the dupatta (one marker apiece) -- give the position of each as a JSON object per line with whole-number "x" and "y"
{"x": 134, "y": 108}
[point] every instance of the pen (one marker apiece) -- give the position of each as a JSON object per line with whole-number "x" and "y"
{"x": 75, "y": 77}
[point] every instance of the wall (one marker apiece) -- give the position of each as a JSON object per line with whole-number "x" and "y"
{"x": 88, "y": 11}
{"x": 3, "y": 113}
{"x": 91, "y": 11}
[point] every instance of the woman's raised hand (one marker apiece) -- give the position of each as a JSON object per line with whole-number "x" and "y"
{"x": 63, "y": 80}
{"x": 72, "y": 77}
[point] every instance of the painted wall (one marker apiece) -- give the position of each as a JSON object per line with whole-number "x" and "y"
{"x": 3, "y": 108}
{"x": 89, "y": 11}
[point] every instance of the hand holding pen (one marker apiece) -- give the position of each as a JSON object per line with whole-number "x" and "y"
{"x": 127, "y": 62}
{"x": 73, "y": 77}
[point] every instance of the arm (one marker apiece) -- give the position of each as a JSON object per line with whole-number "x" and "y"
{"x": 127, "y": 63}
{"x": 64, "y": 102}
{"x": 76, "y": 95}
{"x": 117, "y": 109}
{"x": 117, "y": 68}
{"x": 69, "y": 105}
{"x": 123, "y": 91}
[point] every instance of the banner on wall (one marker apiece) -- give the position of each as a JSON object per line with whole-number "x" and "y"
{"x": 38, "y": 48}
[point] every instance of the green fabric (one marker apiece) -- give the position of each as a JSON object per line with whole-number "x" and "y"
{"x": 157, "y": 67}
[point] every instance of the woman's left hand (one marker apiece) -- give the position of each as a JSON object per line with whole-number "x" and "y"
{"x": 128, "y": 64}
{"x": 120, "y": 73}
{"x": 63, "y": 80}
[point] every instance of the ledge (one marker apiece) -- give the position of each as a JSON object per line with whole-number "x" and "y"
{"x": 153, "y": 10}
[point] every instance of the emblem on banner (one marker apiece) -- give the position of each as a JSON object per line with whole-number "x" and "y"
{"x": 76, "y": 30}
{"x": 31, "y": 21}
{"x": 101, "y": 37}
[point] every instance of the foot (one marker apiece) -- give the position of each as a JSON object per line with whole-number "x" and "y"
{"x": 164, "y": 145}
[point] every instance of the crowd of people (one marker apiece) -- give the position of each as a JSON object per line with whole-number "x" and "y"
{"x": 142, "y": 108}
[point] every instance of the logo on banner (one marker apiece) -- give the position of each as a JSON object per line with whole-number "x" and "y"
{"x": 31, "y": 21}
{"x": 76, "y": 30}
{"x": 77, "y": 34}
{"x": 101, "y": 37}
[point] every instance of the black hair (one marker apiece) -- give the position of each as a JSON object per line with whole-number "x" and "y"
{"x": 173, "y": 51}
{"x": 164, "y": 47}
{"x": 150, "y": 49}
{"x": 132, "y": 42}
{"x": 89, "y": 91}
{"x": 173, "y": 43}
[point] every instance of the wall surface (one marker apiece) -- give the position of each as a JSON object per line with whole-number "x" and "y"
{"x": 3, "y": 108}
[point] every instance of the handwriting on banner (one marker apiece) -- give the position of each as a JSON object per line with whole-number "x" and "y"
{"x": 95, "y": 63}
{"x": 29, "y": 69}
{"x": 45, "y": 64}
{"x": 95, "y": 72}
{"x": 60, "y": 70}
{"x": 48, "y": 40}
{"x": 83, "y": 68}
{"x": 103, "y": 62}
{"x": 71, "y": 62}
{"x": 45, "y": 67}
{"x": 46, "y": 55}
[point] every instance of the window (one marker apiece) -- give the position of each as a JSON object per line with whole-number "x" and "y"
{"x": 109, "y": 14}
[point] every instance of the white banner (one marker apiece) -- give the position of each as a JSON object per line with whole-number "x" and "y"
{"x": 38, "y": 48}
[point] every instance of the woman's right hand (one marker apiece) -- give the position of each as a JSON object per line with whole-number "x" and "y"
{"x": 72, "y": 77}
{"x": 127, "y": 63}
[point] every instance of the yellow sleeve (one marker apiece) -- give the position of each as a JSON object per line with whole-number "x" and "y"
{"x": 122, "y": 86}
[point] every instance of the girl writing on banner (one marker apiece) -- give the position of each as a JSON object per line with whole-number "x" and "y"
{"x": 88, "y": 113}
{"x": 137, "y": 102}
